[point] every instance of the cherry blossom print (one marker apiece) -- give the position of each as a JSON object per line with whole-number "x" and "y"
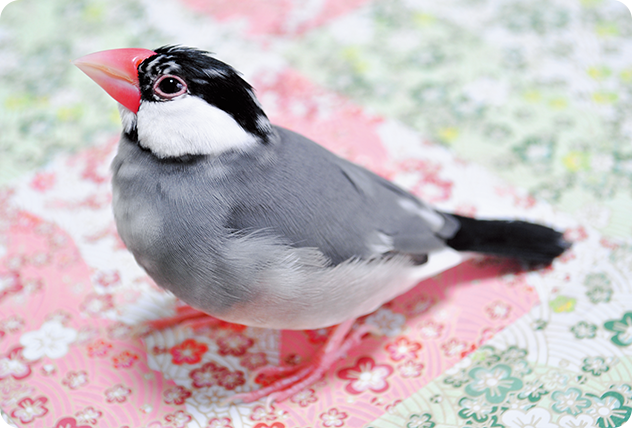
{"x": 498, "y": 310}
{"x": 220, "y": 423}
{"x": 74, "y": 380}
{"x": 235, "y": 344}
{"x": 13, "y": 324}
{"x": 207, "y": 375}
{"x": 70, "y": 422}
{"x": 117, "y": 394}
{"x": 98, "y": 348}
{"x": 51, "y": 340}
{"x": 333, "y": 418}
{"x": 28, "y": 409}
{"x": 209, "y": 399}
{"x": 261, "y": 413}
{"x": 124, "y": 360}
{"x": 402, "y": 349}
{"x": 366, "y": 375}
{"x": 453, "y": 347}
{"x": 304, "y": 398}
{"x": 179, "y": 419}
{"x": 274, "y": 425}
{"x": 119, "y": 331}
{"x": 410, "y": 369}
{"x": 430, "y": 329}
{"x": 48, "y": 370}
{"x": 576, "y": 234}
{"x": 107, "y": 279}
{"x": 10, "y": 283}
{"x": 253, "y": 360}
{"x": 175, "y": 395}
{"x": 43, "y": 181}
{"x": 231, "y": 379}
{"x": 14, "y": 364}
{"x": 96, "y": 305}
{"x": 387, "y": 321}
{"x": 89, "y": 415}
{"x": 188, "y": 352}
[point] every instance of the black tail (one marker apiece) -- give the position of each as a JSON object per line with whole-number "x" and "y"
{"x": 517, "y": 239}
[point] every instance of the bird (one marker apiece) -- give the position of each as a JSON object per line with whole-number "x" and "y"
{"x": 254, "y": 224}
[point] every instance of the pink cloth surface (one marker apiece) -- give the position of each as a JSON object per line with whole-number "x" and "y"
{"x": 72, "y": 299}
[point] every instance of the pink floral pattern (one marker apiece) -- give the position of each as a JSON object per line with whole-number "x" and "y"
{"x": 89, "y": 415}
{"x": 402, "y": 349}
{"x": 117, "y": 394}
{"x": 74, "y": 380}
{"x": 13, "y": 364}
{"x": 124, "y": 360}
{"x": 28, "y": 409}
{"x": 188, "y": 352}
{"x": 99, "y": 348}
{"x": 69, "y": 422}
{"x": 207, "y": 375}
{"x": 235, "y": 344}
{"x": 219, "y": 423}
{"x": 176, "y": 395}
{"x": 365, "y": 376}
{"x": 333, "y": 418}
{"x": 179, "y": 419}
{"x": 304, "y": 398}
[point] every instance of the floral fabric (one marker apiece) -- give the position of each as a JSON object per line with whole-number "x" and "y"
{"x": 483, "y": 107}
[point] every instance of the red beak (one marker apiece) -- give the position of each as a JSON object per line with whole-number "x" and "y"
{"x": 116, "y": 71}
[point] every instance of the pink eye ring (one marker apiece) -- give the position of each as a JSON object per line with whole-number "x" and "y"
{"x": 169, "y": 86}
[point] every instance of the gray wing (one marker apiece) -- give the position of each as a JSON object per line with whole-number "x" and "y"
{"x": 312, "y": 198}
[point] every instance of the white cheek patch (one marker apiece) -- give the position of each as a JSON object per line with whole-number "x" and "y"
{"x": 188, "y": 125}
{"x": 128, "y": 118}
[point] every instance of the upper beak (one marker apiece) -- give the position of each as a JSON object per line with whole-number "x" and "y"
{"x": 116, "y": 71}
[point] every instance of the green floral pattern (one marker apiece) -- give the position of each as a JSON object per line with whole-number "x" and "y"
{"x": 569, "y": 401}
{"x": 622, "y": 329}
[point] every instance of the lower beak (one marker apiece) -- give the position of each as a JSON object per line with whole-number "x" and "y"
{"x": 116, "y": 71}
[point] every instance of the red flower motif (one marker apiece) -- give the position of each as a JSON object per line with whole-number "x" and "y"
{"x": 119, "y": 330}
{"x": 97, "y": 304}
{"x": 410, "y": 369}
{"x": 179, "y": 419}
{"x": 29, "y": 409}
{"x": 333, "y": 418}
{"x": 274, "y": 425}
{"x": 10, "y": 284}
{"x": 253, "y": 361}
{"x": 74, "y": 380}
{"x": 366, "y": 375}
{"x": 304, "y": 398}
{"x": 188, "y": 352}
{"x": 118, "y": 393}
{"x": 107, "y": 279}
{"x": 14, "y": 364}
{"x": 234, "y": 344}
{"x": 231, "y": 380}
{"x": 220, "y": 423}
{"x": 70, "y": 423}
{"x": 207, "y": 375}
{"x": 159, "y": 350}
{"x": 176, "y": 395}
{"x": 498, "y": 310}
{"x": 453, "y": 347}
{"x": 124, "y": 360}
{"x": 89, "y": 415}
{"x": 576, "y": 234}
{"x": 430, "y": 329}
{"x": 402, "y": 348}
{"x": 99, "y": 348}
{"x": 260, "y": 413}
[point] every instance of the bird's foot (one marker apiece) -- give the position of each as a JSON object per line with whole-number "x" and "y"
{"x": 296, "y": 379}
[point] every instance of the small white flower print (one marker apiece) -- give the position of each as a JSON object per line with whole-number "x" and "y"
{"x": 51, "y": 340}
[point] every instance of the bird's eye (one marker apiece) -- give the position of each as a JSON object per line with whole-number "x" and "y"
{"x": 169, "y": 86}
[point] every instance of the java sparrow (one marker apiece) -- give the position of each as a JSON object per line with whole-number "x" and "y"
{"x": 257, "y": 225}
